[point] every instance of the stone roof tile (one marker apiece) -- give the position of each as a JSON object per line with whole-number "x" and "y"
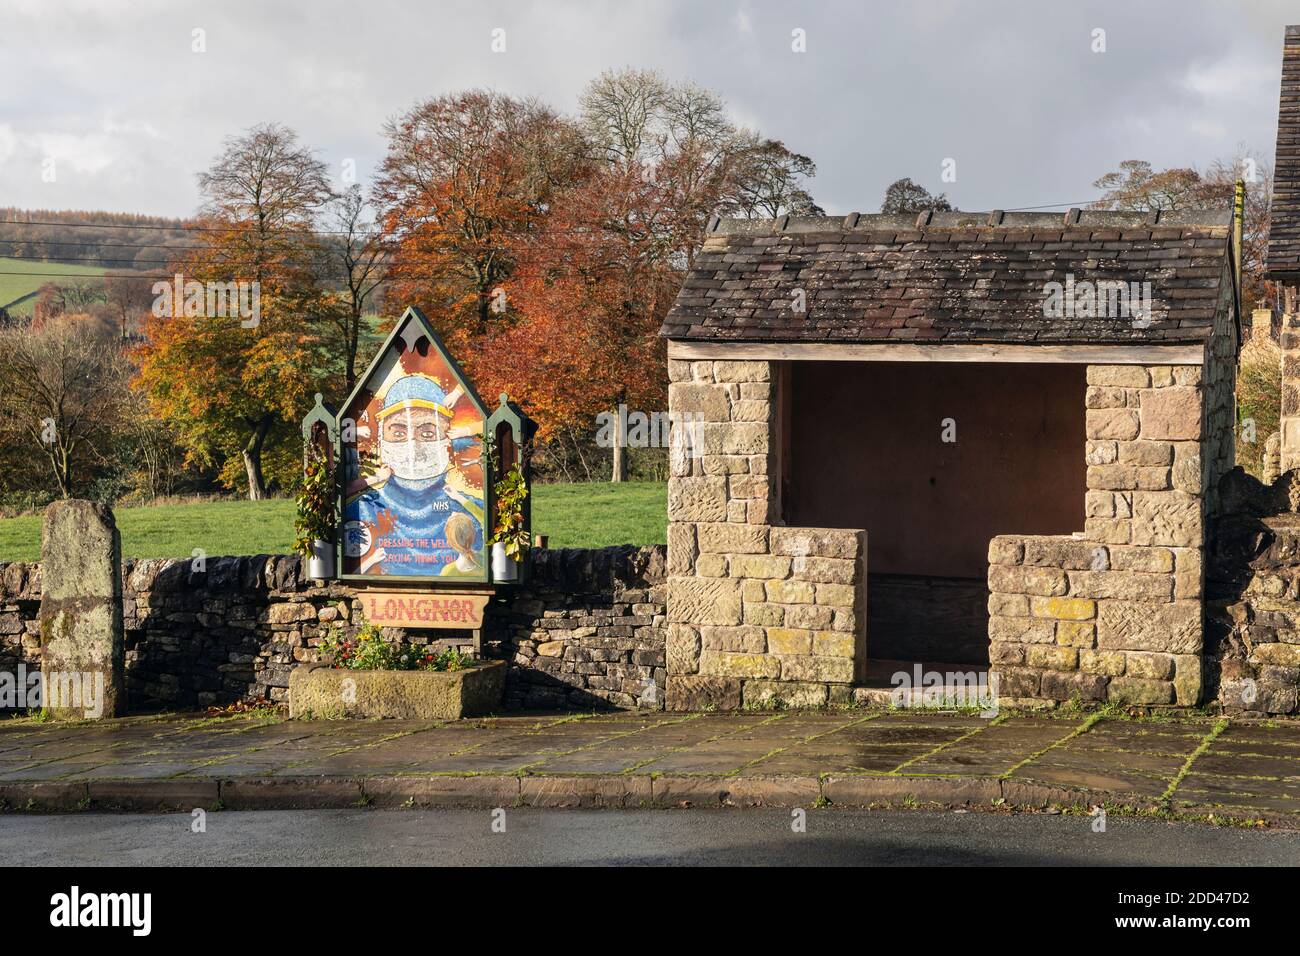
{"x": 958, "y": 277}
{"x": 1284, "y": 232}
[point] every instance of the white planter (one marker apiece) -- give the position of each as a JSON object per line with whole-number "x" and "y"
{"x": 320, "y": 566}
{"x": 504, "y": 567}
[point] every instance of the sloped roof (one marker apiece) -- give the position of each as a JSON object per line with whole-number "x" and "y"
{"x": 1284, "y": 233}
{"x": 964, "y": 277}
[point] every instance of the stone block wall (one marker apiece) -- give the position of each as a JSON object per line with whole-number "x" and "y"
{"x": 1289, "y": 345}
{"x": 228, "y": 629}
{"x": 586, "y": 630}
{"x": 1253, "y": 615}
{"x": 758, "y": 613}
{"x": 1219, "y": 384}
{"x": 1115, "y": 612}
{"x": 1252, "y": 642}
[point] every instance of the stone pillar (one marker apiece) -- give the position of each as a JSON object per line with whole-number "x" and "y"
{"x": 1271, "y": 469}
{"x": 1289, "y": 343}
{"x": 1261, "y": 325}
{"x": 1115, "y": 613}
{"x": 82, "y": 650}
{"x": 759, "y": 615}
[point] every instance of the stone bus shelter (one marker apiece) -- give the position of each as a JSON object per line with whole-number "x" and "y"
{"x": 948, "y": 440}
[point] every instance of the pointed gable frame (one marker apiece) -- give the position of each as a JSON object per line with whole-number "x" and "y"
{"x": 402, "y": 330}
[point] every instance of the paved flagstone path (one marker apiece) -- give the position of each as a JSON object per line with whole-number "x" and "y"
{"x": 1195, "y": 766}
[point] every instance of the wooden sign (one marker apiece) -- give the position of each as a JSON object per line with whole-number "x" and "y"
{"x": 411, "y": 607}
{"x": 411, "y": 443}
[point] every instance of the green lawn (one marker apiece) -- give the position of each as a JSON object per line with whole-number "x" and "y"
{"x": 34, "y": 274}
{"x": 575, "y": 516}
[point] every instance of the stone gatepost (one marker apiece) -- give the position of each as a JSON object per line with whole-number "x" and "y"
{"x": 82, "y": 650}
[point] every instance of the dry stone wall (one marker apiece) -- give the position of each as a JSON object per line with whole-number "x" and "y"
{"x": 587, "y": 629}
{"x": 1252, "y": 646}
{"x": 1253, "y": 622}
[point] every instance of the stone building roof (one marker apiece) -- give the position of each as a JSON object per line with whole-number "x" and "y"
{"x": 1284, "y": 233}
{"x": 949, "y": 276}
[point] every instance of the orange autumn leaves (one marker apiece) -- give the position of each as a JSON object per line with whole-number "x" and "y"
{"x": 547, "y": 249}
{"x": 589, "y": 292}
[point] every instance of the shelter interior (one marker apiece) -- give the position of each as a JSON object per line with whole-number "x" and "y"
{"x": 933, "y": 459}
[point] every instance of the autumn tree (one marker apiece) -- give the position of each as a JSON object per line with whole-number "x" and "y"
{"x": 128, "y": 298}
{"x": 590, "y": 283}
{"x": 261, "y": 199}
{"x": 66, "y": 298}
{"x": 672, "y": 156}
{"x": 769, "y": 182}
{"x": 1137, "y": 186}
{"x": 233, "y": 385}
{"x": 549, "y": 250}
{"x": 151, "y": 461}
{"x": 591, "y": 291}
{"x": 61, "y": 390}
{"x": 903, "y": 196}
{"x": 681, "y": 138}
{"x": 232, "y": 392}
{"x": 356, "y": 256}
{"x": 465, "y": 177}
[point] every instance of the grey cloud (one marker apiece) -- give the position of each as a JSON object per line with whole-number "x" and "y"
{"x": 1010, "y": 90}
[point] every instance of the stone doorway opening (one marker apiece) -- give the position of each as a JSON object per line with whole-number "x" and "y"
{"x": 933, "y": 459}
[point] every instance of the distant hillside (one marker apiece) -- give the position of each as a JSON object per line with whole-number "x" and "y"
{"x": 18, "y": 292}
{"x": 102, "y": 240}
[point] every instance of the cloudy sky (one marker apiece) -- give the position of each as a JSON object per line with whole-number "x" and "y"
{"x": 114, "y": 93}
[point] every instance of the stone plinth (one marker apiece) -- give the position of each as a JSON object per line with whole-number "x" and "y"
{"x": 326, "y": 692}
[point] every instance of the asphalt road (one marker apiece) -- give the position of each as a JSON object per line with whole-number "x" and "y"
{"x": 651, "y": 837}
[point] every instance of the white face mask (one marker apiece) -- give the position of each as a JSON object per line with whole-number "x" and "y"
{"x": 415, "y": 460}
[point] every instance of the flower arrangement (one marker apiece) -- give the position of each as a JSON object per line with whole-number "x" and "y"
{"x": 315, "y": 501}
{"x": 368, "y": 651}
{"x": 511, "y": 491}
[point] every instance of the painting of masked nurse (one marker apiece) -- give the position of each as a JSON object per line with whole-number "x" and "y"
{"x": 414, "y": 503}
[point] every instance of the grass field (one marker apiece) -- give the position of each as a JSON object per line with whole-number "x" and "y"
{"x": 34, "y": 274}
{"x": 575, "y": 516}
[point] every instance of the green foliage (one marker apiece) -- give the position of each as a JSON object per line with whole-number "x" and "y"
{"x": 511, "y": 492}
{"x": 577, "y": 515}
{"x": 368, "y": 650}
{"x": 450, "y": 659}
{"x": 35, "y": 273}
{"x": 1259, "y": 400}
{"x": 315, "y": 504}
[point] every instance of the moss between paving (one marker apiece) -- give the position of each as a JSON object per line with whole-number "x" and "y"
{"x": 1196, "y": 768}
